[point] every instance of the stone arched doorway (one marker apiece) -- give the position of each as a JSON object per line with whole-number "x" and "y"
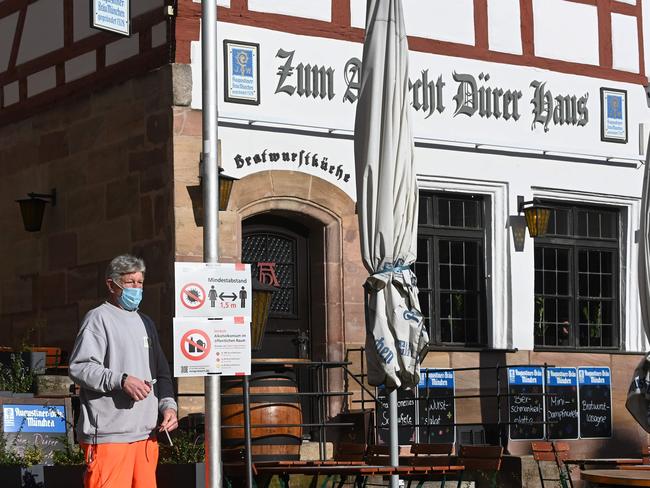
{"x": 305, "y": 213}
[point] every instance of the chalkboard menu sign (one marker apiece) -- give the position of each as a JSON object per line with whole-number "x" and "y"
{"x": 594, "y": 389}
{"x": 436, "y": 409}
{"x": 526, "y": 402}
{"x": 405, "y": 416}
{"x": 36, "y": 421}
{"x": 561, "y": 403}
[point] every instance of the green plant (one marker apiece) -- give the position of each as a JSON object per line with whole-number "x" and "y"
{"x": 16, "y": 377}
{"x": 9, "y": 456}
{"x": 188, "y": 448}
{"x": 69, "y": 455}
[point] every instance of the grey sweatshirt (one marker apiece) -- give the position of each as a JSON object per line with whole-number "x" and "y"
{"x": 113, "y": 341}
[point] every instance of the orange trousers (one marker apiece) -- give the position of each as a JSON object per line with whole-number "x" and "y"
{"x": 131, "y": 465}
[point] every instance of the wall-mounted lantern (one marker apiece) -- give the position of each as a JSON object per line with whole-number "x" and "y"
{"x": 262, "y": 295}
{"x": 32, "y": 209}
{"x": 537, "y": 216}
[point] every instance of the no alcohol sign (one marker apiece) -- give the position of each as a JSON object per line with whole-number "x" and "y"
{"x": 213, "y": 290}
{"x": 211, "y": 346}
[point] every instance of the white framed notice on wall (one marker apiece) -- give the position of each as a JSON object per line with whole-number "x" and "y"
{"x": 111, "y": 15}
{"x": 242, "y": 68}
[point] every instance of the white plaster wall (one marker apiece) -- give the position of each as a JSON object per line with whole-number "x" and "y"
{"x": 312, "y": 9}
{"x": 7, "y": 32}
{"x": 631, "y": 2}
{"x": 358, "y": 13}
{"x": 43, "y": 31}
{"x": 80, "y": 66}
{"x": 11, "y": 93}
{"x": 159, "y": 34}
{"x": 443, "y": 20}
{"x": 41, "y": 81}
{"x": 625, "y": 44}
{"x": 81, "y": 23}
{"x": 566, "y": 31}
{"x": 141, "y": 6}
{"x": 122, "y": 49}
{"x": 504, "y": 26}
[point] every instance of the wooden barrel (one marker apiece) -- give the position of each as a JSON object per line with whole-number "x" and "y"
{"x": 280, "y": 409}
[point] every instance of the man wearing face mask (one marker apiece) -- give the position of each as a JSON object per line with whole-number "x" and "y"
{"x": 125, "y": 384}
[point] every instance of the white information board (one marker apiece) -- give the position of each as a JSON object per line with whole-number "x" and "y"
{"x": 112, "y": 15}
{"x": 213, "y": 290}
{"x": 212, "y": 346}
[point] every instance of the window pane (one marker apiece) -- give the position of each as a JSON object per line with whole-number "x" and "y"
{"x": 422, "y": 275}
{"x": 472, "y": 331}
{"x": 445, "y": 275}
{"x": 539, "y": 257}
{"x": 561, "y": 222}
{"x": 549, "y": 258}
{"x": 423, "y": 250}
{"x": 562, "y": 283}
{"x": 457, "y": 252}
{"x": 563, "y": 259}
{"x": 608, "y": 225}
{"x": 457, "y": 212}
{"x": 423, "y": 211}
{"x": 424, "y": 298}
{"x": 549, "y": 283}
{"x": 471, "y": 215}
{"x": 539, "y": 282}
{"x": 457, "y": 278}
{"x": 458, "y": 331}
{"x": 581, "y": 223}
{"x": 593, "y": 225}
{"x": 443, "y": 213}
{"x": 443, "y": 249}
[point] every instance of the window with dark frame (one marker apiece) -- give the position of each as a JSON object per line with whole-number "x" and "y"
{"x": 576, "y": 279}
{"x": 450, "y": 268}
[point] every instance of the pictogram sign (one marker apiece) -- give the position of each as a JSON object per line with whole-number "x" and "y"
{"x": 192, "y": 296}
{"x": 214, "y": 290}
{"x": 195, "y": 345}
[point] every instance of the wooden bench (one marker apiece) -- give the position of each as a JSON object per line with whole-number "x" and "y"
{"x": 484, "y": 458}
{"x": 556, "y": 453}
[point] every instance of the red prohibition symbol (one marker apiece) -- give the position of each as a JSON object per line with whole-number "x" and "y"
{"x": 195, "y": 344}
{"x": 193, "y": 296}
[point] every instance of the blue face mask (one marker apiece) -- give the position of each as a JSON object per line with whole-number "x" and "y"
{"x": 130, "y": 298}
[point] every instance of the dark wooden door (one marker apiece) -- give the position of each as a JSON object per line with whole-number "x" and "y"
{"x": 277, "y": 249}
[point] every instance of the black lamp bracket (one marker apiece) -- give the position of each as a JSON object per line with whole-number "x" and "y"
{"x": 45, "y": 196}
{"x": 521, "y": 204}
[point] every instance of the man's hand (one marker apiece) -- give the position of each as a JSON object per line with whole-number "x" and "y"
{"x": 169, "y": 421}
{"x": 136, "y": 388}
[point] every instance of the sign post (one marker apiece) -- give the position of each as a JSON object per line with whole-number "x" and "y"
{"x": 210, "y": 183}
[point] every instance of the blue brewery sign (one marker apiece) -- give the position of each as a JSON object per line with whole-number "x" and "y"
{"x": 48, "y": 419}
{"x": 524, "y": 375}
{"x": 594, "y": 376}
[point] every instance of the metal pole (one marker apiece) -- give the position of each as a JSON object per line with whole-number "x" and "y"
{"x": 247, "y": 431}
{"x": 210, "y": 181}
{"x": 394, "y": 437}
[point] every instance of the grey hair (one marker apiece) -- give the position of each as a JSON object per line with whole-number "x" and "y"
{"x": 123, "y": 264}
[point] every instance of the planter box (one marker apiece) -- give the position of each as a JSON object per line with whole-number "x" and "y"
{"x": 31, "y": 477}
{"x": 185, "y": 475}
{"x": 64, "y": 476}
{"x": 35, "y": 361}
